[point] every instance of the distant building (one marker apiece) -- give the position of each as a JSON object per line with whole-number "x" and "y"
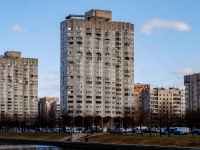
{"x": 19, "y": 87}
{"x": 47, "y": 111}
{"x": 192, "y": 88}
{"x": 58, "y": 112}
{"x": 138, "y": 103}
{"x": 165, "y": 101}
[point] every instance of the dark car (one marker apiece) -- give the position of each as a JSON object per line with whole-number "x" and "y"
{"x": 170, "y": 130}
{"x": 198, "y": 132}
{"x": 178, "y": 133}
{"x": 114, "y": 130}
{"x": 164, "y": 133}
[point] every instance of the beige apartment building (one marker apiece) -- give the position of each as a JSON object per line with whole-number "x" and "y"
{"x": 97, "y": 65}
{"x": 19, "y": 87}
{"x": 161, "y": 101}
{"x": 192, "y": 88}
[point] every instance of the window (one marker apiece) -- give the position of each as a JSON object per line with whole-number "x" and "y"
{"x": 79, "y": 28}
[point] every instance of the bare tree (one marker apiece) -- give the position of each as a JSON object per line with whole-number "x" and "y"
{"x": 141, "y": 116}
{"x": 129, "y": 117}
{"x": 192, "y": 119}
{"x": 51, "y": 115}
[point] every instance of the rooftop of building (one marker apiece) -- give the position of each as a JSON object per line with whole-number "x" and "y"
{"x": 170, "y": 88}
{"x": 93, "y": 14}
{"x": 12, "y": 54}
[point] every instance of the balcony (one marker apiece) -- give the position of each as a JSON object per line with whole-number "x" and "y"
{"x": 98, "y": 36}
{"x": 70, "y": 34}
{"x": 98, "y": 30}
{"x": 118, "y": 35}
{"x": 88, "y": 30}
{"x": 88, "y": 34}
{"x": 107, "y": 37}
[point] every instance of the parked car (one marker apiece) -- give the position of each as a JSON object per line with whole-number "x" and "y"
{"x": 44, "y": 131}
{"x": 176, "y": 132}
{"x": 155, "y": 130}
{"x": 129, "y": 130}
{"x": 170, "y": 130}
{"x": 137, "y": 131}
{"x": 184, "y": 130}
{"x": 99, "y": 129}
{"x": 55, "y": 130}
{"x": 164, "y": 133}
{"x": 123, "y": 130}
{"x": 68, "y": 130}
{"x": 115, "y": 130}
{"x": 198, "y": 132}
{"x": 145, "y": 131}
{"x": 32, "y": 130}
{"x": 195, "y": 131}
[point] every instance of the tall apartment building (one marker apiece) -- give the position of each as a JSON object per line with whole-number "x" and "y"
{"x": 192, "y": 88}
{"x": 163, "y": 100}
{"x": 96, "y": 65}
{"x": 19, "y": 86}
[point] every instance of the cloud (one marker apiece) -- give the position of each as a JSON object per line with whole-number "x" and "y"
{"x": 17, "y": 28}
{"x": 48, "y": 78}
{"x": 160, "y": 23}
{"x": 186, "y": 71}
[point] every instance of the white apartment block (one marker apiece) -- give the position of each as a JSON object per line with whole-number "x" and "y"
{"x": 96, "y": 65}
{"x": 19, "y": 86}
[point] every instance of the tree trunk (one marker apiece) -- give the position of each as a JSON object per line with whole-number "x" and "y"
{"x": 132, "y": 128}
{"x": 149, "y": 131}
{"x": 160, "y": 128}
{"x": 168, "y": 131}
{"x": 141, "y": 130}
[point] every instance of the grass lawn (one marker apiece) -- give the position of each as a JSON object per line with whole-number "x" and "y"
{"x": 174, "y": 140}
{"x": 36, "y": 136}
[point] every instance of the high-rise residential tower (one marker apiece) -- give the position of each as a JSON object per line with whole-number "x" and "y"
{"x": 192, "y": 88}
{"x": 19, "y": 87}
{"x": 96, "y": 65}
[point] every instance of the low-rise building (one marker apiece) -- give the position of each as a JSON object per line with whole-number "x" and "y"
{"x": 166, "y": 102}
{"x": 160, "y": 102}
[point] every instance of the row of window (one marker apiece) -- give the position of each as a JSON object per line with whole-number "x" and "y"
{"x": 99, "y": 29}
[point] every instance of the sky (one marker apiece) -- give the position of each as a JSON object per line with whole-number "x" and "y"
{"x": 166, "y": 36}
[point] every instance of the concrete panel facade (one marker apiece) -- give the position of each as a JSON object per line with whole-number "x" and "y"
{"x": 19, "y": 86}
{"x": 97, "y": 66}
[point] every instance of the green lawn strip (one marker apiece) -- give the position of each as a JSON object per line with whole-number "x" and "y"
{"x": 36, "y": 136}
{"x": 174, "y": 140}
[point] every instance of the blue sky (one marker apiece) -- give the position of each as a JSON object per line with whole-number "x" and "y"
{"x": 166, "y": 36}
